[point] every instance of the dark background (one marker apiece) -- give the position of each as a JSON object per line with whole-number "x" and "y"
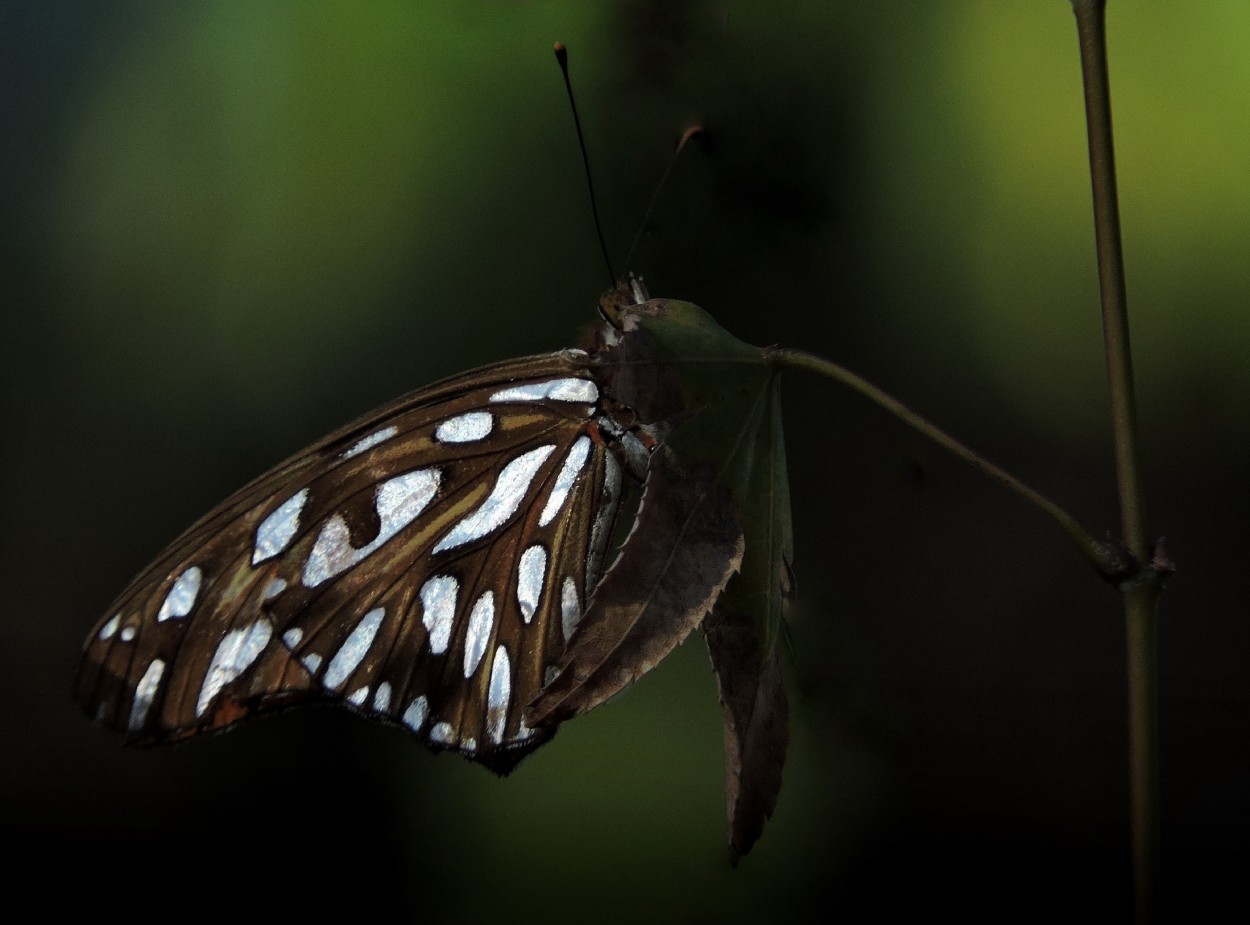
{"x": 228, "y": 228}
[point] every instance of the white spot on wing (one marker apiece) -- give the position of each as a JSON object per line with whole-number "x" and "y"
{"x": 443, "y": 734}
{"x": 465, "y": 428}
{"x": 235, "y": 653}
{"x": 399, "y": 501}
{"x": 181, "y": 597}
{"x": 573, "y": 465}
{"x": 369, "y": 442}
{"x": 497, "y": 695}
{"x": 529, "y": 585}
{"x": 572, "y": 389}
{"x": 278, "y": 529}
{"x": 414, "y": 716}
{"x": 481, "y": 620}
{"x": 311, "y": 661}
{"x": 504, "y": 499}
{"x": 145, "y": 690}
{"x": 382, "y": 697}
{"x": 108, "y": 629}
{"x": 570, "y": 607}
{"x": 128, "y": 633}
{"x": 358, "y": 696}
{"x": 438, "y": 599}
{"x": 273, "y": 588}
{"x": 354, "y": 648}
{"x": 293, "y": 637}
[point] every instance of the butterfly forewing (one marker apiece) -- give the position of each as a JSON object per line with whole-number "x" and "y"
{"x": 424, "y": 565}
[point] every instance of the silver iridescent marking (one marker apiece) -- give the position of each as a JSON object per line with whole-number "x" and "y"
{"x": 348, "y": 658}
{"x": 369, "y": 442}
{"x": 443, "y": 734}
{"x": 497, "y": 695}
{"x": 278, "y": 529}
{"x": 481, "y": 621}
{"x": 573, "y": 465}
{"x": 311, "y": 661}
{"x": 128, "y": 633}
{"x": 572, "y": 389}
{"x": 382, "y": 697}
{"x": 504, "y": 499}
{"x": 145, "y": 690}
{"x": 273, "y": 587}
{"x": 414, "y": 716}
{"x": 438, "y": 600}
{"x": 358, "y": 696}
{"x": 469, "y": 746}
{"x": 465, "y": 428}
{"x": 293, "y": 637}
{"x": 181, "y": 597}
{"x": 108, "y": 629}
{"x": 570, "y": 607}
{"x": 529, "y": 582}
{"x": 550, "y": 674}
{"x": 235, "y": 653}
{"x": 399, "y": 501}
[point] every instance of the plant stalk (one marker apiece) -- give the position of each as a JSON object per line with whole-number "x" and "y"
{"x": 1140, "y": 598}
{"x": 799, "y": 359}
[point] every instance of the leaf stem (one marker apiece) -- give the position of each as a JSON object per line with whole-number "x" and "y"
{"x": 1140, "y": 598}
{"x": 1095, "y": 552}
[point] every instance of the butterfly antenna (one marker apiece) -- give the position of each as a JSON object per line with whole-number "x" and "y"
{"x": 693, "y": 132}
{"x": 562, "y": 55}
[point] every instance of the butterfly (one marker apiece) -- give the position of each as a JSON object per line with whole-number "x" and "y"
{"x": 442, "y": 564}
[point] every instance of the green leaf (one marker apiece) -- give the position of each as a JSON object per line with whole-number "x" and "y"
{"x": 721, "y": 401}
{"x": 743, "y": 630}
{"x": 753, "y": 703}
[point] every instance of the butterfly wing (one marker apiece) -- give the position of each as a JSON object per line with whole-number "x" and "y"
{"x": 424, "y": 565}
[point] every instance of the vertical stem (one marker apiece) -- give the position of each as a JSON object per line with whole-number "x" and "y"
{"x": 1139, "y": 613}
{"x": 1090, "y": 28}
{"x": 1139, "y": 601}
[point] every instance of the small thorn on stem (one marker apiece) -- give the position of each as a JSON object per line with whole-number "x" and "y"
{"x": 1161, "y": 559}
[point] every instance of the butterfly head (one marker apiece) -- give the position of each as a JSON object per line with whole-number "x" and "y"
{"x": 626, "y": 294}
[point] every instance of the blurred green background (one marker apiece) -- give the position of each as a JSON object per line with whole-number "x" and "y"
{"x": 228, "y": 228}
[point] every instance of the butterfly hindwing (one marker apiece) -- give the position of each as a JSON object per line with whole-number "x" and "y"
{"x": 424, "y": 565}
